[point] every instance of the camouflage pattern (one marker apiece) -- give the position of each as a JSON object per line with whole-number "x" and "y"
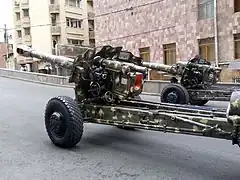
{"x": 195, "y": 122}
{"x": 68, "y": 62}
{"x": 126, "y": 111}
{"x": 122, "y": 66}
{"x": 198, "y": 77}
{"x": 175, "y": 69}
{"x": 53, "y": 59}
{"x": 233, "y": 116}
{"x": 233, "y": 110}
{"x": 211, "y": 94}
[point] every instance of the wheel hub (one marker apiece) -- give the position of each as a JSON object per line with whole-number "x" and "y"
{"x": 172, "y": 97}
{"x": 57, "y": 124}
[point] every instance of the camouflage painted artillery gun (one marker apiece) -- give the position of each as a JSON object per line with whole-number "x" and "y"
{"x": 106, "y": 83}
{"x": 193, "y": 81}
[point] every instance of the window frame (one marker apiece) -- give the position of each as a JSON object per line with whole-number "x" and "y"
{"x": 169, "y": 49}
{"x": 203, "y": 9}
{"x": 206, "y": 43}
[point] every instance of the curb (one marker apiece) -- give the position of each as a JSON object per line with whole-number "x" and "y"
{"x": 150, "y": 94}
{"x": 38, "y": 82}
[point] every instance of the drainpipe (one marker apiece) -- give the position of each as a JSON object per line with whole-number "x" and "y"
{"x": 215, "y": 32}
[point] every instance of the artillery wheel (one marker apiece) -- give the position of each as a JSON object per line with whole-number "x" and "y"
{"x": 198, "y": 102}
{"x": 175, "y": 94}
{"x": 63, "y": 121}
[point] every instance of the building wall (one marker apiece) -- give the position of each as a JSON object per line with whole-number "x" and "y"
{"x": 8, "y": 63}
{"x": 41, "y": 39}
{"x": 156, "y": 23}
{"x": 46, "y": 32}
{"x": 3, "y": 51}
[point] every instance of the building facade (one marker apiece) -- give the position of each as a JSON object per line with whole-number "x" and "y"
{"x": 3, "y": 51}
{"x": 6, "y": 56}
{"x": 168, "y": 31}
{"x": 46, "y": 23}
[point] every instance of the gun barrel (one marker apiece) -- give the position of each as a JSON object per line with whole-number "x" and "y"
{"x": 174, "y": 70}
{"x": 119, "y": 66}
{"x": 68, "y": 62}
{"x": 59, "y": 60}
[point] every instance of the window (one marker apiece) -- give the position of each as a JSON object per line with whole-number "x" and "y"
{"x": 90, "y": 3}
{"x": 75, "y": 41}
{"x": 236, "y": 46}
{"x": 54, "y": 19}
{"x": 25, "y": 12}
{"x": 16, "y": 3}
{"x": 74, "y": 23}
{"x": 91, "y": 24}
{"x": 236, "y": 6}
{"x": 52, "y": 1}
{"x": 78, "y": 3}
{"x": 207, "y": 49}
{"x": 145, "y": 54}
{"x": 169, "y": 53}
{"x": 74, "y": 3}
{"x": 92, "y": 42}
{"x": 19, "y": 33}
{"x": 27, "y": 31}
{"x": 54, "y": 43}
{"x": 18, "y": 16}
{"x": 205, "y": 9}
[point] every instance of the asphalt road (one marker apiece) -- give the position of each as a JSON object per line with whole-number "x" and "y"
{"x": 104, "y": 152}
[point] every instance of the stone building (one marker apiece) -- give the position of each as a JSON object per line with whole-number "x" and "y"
{"x": 168, "y": 31}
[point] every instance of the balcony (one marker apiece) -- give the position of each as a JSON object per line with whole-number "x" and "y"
{"x": 18, "y": 24}
{"x": 75, "y": 31}
{"x": 91, "y": 35}
{"x": 74, "y": 10}
{"x": 24, "y": 60}
{"x": 25, "y": 4}
{"x": 91, "y": 15}
{"x": 27, "y": 39}
{"x": 54, "y": 8}
{"x": 56, "y": 30}
{"x": 18, "y": 41}
{"x": 26, "y": 21}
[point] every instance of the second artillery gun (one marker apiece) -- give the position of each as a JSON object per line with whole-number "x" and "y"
{"x": 197, "y": 84}
{"x": 106, "y": 83}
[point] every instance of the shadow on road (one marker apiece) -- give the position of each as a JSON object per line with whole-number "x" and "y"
{"x": 158, "y": 152}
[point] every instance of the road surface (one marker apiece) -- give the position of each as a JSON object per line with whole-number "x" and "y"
{"x": 104, "y": 152}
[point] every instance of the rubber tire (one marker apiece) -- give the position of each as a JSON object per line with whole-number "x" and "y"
{"x": 183, "y": 95}
{"x": 73, "y": 119}
{"x": 198, "y": 102}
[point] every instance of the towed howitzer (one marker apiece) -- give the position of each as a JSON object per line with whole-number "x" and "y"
{"x": 197, "y": 85}
{"x": 109, "y": 75}
{"x": 194, "y": 74}
{"x": 105, "y": 82}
